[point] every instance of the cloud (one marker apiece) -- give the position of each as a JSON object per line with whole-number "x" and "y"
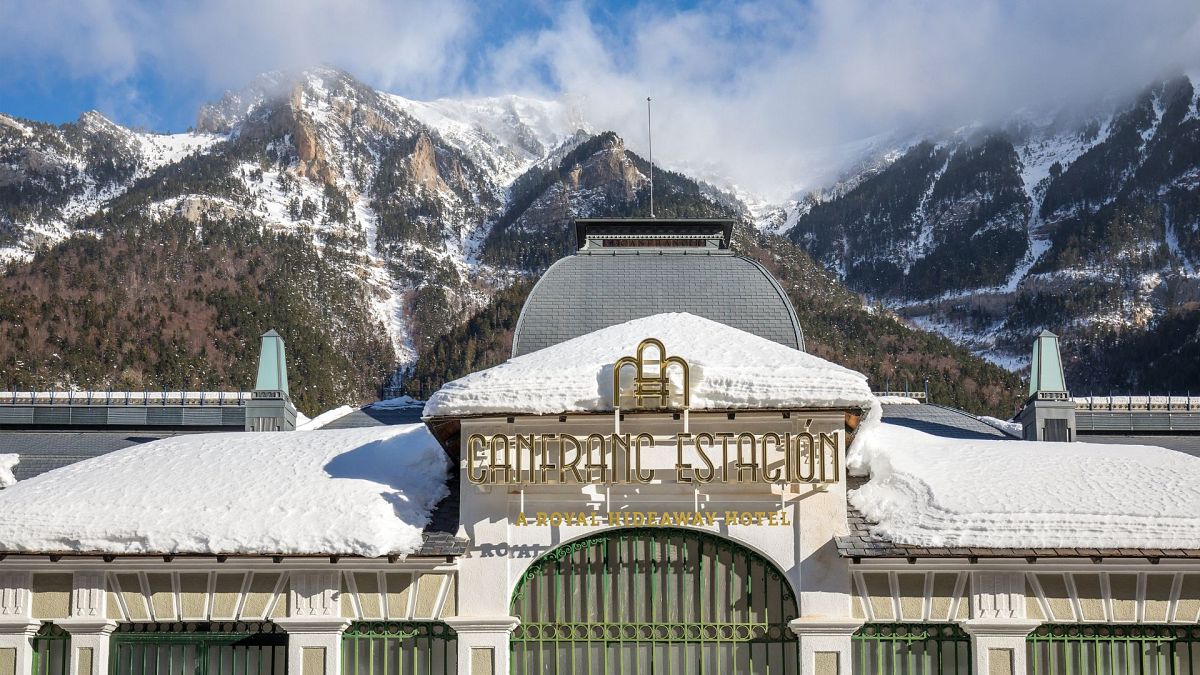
{"x": 775, "y": 94}
{"x": 180, "y": 46}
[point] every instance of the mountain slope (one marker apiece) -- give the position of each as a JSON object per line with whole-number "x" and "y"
{"x": 428, "y": 211}
{"x": 1086, "y": 225}
{"x": 602, "y": 178}
{"x": 167, "y": 304}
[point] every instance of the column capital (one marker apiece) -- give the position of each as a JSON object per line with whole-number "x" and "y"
{"x": 1000, "y": 628}
{"x": 310, "y": 625}
{"x": 86, "y": 625}
{"x": 19, "y": 626}
{"x": 825, "y": 626}
{"x": 484, "y": 624}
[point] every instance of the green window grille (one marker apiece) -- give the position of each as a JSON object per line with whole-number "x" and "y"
{"x": 1104, "y": 649}
{"x": 200, "y": 648}
{"x": 51, "y": 651}
{"x": 911, "y": 649}
{"x": 399, "y": 648}
{"x": 658, "y": 600}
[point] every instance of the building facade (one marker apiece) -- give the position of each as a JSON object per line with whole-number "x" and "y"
{"x": 636, "y": 491}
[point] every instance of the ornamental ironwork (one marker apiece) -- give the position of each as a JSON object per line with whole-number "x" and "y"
{"x": 653, "y": 600}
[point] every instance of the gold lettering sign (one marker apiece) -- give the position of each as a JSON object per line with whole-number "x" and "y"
{"x": 777, "y": 518}
{"x": 622, "y": 459}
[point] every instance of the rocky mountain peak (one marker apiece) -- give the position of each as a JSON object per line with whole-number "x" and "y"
{"x": 610, "y": 170}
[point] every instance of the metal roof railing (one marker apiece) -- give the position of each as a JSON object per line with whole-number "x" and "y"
{"x": 124, "y": 398}
{"x": 1146, "y": 403}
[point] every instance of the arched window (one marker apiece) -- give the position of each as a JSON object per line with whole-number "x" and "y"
{"x": 658, "y": 600}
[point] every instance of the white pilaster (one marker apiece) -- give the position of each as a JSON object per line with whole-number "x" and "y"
{"x": 483, "y": 642}
{"x": 314, "y": 644}
{"x": 825, "y": 647}
{"x": 314, "y": 624}
{"x": 17, "y": 627}
{"x": 88, "y": 624}
{"x": 89, "y": 644}
{"x": 998, "y": 626}
{"x": 314, "y": 594}
{"x": 998, "y": 645}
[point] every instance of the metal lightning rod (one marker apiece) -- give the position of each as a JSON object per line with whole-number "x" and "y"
{"x": 650, "y": 138}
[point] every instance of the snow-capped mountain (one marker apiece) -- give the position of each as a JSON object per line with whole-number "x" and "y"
{"x": 1087, "y": 224}
{"x": 417, "y": 212}
{"x": 405, "y": 187}
{"x": 50, "y": 176}
{"x": 404, "y": 198}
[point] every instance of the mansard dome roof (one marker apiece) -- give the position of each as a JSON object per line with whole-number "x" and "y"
{"x": 618, "y": 280}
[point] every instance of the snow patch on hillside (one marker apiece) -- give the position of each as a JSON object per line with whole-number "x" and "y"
{"x": 505, "y": 134}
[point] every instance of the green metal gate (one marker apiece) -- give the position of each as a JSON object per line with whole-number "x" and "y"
{"x": 911, "y": 649}
{"x": 202, "y": 648}
{"x": 51, "y": 651}
{"x": 1104, "y": 649}
{"x": 659, "y": 600}
{"x": 399, "y": 648}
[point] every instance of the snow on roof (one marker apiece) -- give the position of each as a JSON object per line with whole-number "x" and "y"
{"x": 729, "y": 369}
{"x": 362, "y": 492}
{"x": 8, "y": 462}
{"x": 927, "y": 490}
{"x": 323, "y": 419}
{"x": 397, "y": 403}
{"x": 1007, "y": 426}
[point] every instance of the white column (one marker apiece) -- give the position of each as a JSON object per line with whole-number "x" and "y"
{"x": 998, "y": 645}
{"x": 314, "y": 624}
{"x": 16, "y": 644}
{"x": 825, "y": 646}
{"x": 483, "y": 643}
{"x": 17, "y": 627}
{"x": 88, "y": 625}
{"x": 998, "y": 626}
{"x": 314, "y": 644}
{"x": 89, "y": 644}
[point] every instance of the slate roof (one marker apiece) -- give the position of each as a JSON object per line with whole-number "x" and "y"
{"x": 42, "y": 451}
{"x": 372, "y": 417}
{"x": 941, "y": 420}
{"x": 588, "y": 291}
{"x": 861, "y": 543}
{"x": 1186, "y": 444}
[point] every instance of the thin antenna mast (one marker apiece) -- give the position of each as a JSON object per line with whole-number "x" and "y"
{"x": 650, "y": 138}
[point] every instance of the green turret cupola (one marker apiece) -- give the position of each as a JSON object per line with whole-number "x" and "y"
{"x": 1046, "y": 371}
{"x": 272, "y": 364}
{"x": 1049, "y": 412}
{"x": 270, "y": 407}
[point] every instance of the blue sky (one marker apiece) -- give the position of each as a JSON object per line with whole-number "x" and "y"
{"x": 57, "y": 80}
{"x": 752, "y": 90}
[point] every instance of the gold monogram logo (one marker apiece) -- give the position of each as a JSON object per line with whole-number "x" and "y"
{"x": 652, "y": 378}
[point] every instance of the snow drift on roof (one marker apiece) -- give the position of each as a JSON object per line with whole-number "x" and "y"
{"x": 324, "y": 418}
{"x": 931, "y": 491}
{"x": 397, "y": 403}
{"x": 362, "y": 492}
{"x": 7, "y": 464}
{"x": 730, "y": 369}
